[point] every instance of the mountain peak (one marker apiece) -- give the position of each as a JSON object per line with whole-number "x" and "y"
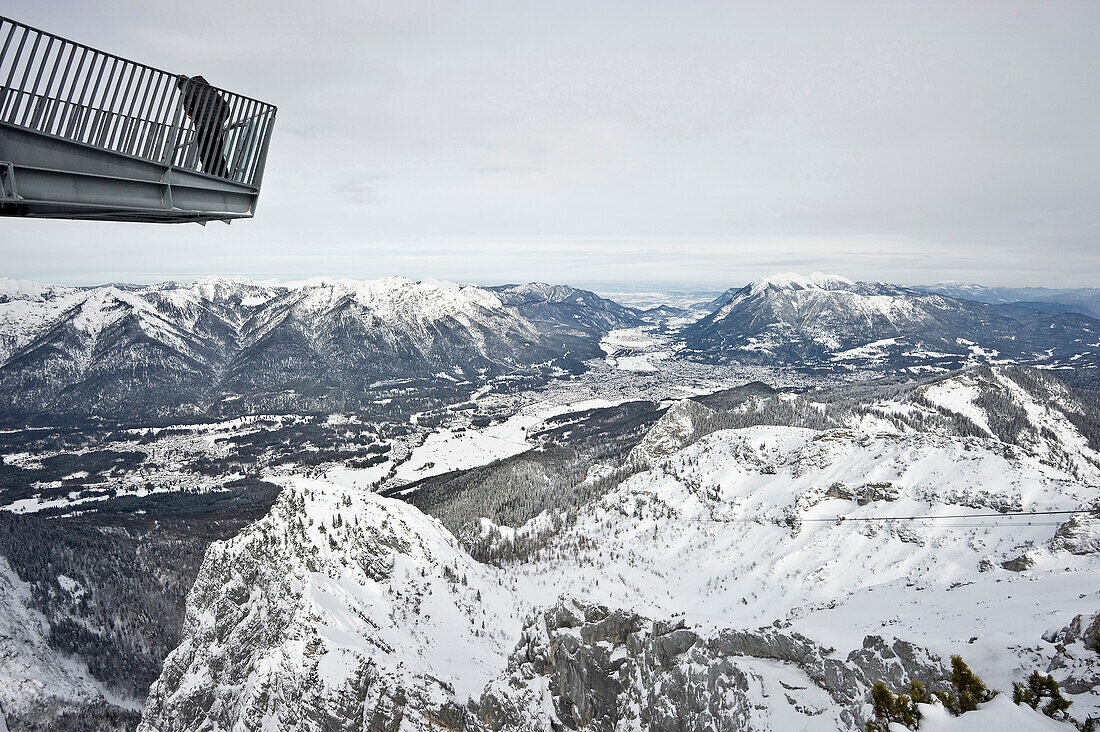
{"x": 11, "y": 289}
{"x": 795, "y": 281}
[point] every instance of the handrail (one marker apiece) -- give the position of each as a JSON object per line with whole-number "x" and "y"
{"x": 57, "y": 87}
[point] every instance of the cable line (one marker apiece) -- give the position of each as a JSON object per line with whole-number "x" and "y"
{"x": 1006, "y": 514}
{"x": 957, "y": 516}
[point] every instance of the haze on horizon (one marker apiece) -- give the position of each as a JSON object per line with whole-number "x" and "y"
{"x": 632, "y": 144}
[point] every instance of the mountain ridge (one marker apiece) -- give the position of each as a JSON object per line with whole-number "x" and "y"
{"x": 180, "y": 349}
{"x": 829, "y": 323}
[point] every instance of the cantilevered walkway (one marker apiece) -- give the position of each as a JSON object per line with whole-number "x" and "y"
{"x": 89, "y": 135}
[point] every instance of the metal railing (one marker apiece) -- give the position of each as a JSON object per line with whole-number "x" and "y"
{"x": 54, "y": 86}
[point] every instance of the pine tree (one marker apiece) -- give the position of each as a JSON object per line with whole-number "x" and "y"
{"x": 969, "y": 689}
{"x": 889, "y": 708}
{"x": 1038, "y": 688}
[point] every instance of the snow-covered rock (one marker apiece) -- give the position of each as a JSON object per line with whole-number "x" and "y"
{"x": 584, "y": 666}
{"x": 795, "y": 568}
{"x": 842, "y": 534}
{"x": 338, "y": 609}
{"x": 41, "y": 687}
{"x": 680, "y": 426}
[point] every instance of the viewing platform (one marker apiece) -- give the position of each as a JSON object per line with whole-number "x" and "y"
{"x": 85, "y": 134}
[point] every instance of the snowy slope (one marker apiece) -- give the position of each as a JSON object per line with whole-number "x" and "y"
{"x": 827, "y": 322}
{"x": 178, "y": 348}
{"x": 676, "y": 429}
{"x": 768, "y": 575}
{"x": 40, "y": 685}
{"x": 378, "y": 617}
{"x": 744, "y": 527}
{"x": 567, "y": 308}
{"x": 1020, "y": 406}
{"x": 338, "y": 608}
{"x": 24, "y": 307}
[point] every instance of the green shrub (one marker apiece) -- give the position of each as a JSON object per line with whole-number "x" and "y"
{"x": 889, "y": 708}
{"x": 970, "y": 691}
{"x": 1038, "y": 688}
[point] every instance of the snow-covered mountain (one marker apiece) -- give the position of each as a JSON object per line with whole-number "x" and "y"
{"x": 1023, "y": 407}
{"x": 1080, "y": 300}
{"x": 829, "y": 323}
{"x": 338, "y": 610}
{"x": 41, "y": 684}
{"x": 567, "y": 308}
{"x": 745, "y": 578}
{"x": 776, "y": 524}
{"x": 179, "y": 348}
{"x": 753, "y": 558}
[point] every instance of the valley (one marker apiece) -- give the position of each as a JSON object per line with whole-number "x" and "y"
{"x": 410, "y": 506}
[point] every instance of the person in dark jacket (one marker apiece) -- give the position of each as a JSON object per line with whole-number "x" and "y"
{"x": 208, "y": 113}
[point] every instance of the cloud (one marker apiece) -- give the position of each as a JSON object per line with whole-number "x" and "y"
{"x": 675, "y": 141}
{"x": 357, "y": 191}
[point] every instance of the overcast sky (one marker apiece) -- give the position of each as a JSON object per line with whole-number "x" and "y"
{"x": 623, "y": 143}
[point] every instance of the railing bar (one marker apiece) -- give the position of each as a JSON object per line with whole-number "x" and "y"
{"x": 172, "y": 134}
{"x": 203, "y": 146}
{"x": 114, "y": 110}
{"x": 136, "y": 74}
{"x": 26, "y": 75}
{"x": 89, "y": 106}
{"x": 239, "y": 162}
{"x": 232, "y": 162}
{"x": 76, "y": 121}
{"x": 252, "y": 144}
{"x": 97, "y": 127}
{"x": 7, "y": 42}
{"x": 109, "y": 128}
{"x": 36, "y": 116}
{"x": 186, "y": 149}
{"x": 53, "y": 71}
{"x": 166, "y": 102}
{"x": 3, "y": 56}
{"x": 261, "y": 158}
{"x": 87, "y": 103}
{"x": 236, "y": 106}
{"x": 72, "y": 89}
{"x": 165, "y": 95}
{"x": 87, "y": 79}
{"x": 243, "y": 140}
{"x": 60, "y": 86}
{"x": 64, "y": 52}
{"x": 248, "y": 152}
{"x": 141, "y": 109}
{"x": 255, "y": 145}
{"x": 231, "y": 119}
{"x": 110, "y": 83}
{"x": 218, "y": 142}
{"x": 11, "y": 75}
{"x": 148, "y": 103}
{"x": 30, "y": 64}
{"x": 208, "y": 103}
{"x": 15, "y": 59}
{"x": 76, "y": 75}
